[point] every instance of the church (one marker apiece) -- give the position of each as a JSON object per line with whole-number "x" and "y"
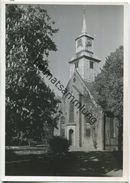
{"x": 83, "y": 135}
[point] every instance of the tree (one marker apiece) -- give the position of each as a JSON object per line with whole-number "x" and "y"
{"x": 109, "y": 88}
{"x": 30, "y": 104}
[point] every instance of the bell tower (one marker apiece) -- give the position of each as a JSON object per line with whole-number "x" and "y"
{"x": 84, "y": 61}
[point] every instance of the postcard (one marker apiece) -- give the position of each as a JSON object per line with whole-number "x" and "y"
{"x": 64, "y": 79}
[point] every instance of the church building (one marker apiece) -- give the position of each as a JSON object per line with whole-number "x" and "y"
{"x": 83, "y": 122}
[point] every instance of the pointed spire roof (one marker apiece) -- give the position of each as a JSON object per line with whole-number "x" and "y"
{"x": 84, "y": 27}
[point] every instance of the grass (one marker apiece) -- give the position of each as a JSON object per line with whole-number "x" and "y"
{"x": 72, "y": 164}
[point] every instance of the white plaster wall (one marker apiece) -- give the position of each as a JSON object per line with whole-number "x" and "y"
{"x": 89, "y": 73}
{"x": 81, "y": 67}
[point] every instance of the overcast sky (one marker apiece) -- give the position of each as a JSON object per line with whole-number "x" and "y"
{"x": 103, "y": 21}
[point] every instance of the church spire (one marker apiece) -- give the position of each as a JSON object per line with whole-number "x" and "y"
{"x": 84, "y": 27}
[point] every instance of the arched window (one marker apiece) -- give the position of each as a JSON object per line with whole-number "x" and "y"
{"x": 71, "y": 112}
{"x": 79, "y": 42}
{"x": 91, "y": 65}
{"x": 62, "y": 120}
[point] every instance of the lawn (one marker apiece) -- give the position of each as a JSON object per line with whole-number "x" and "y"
{"x": 72, "y": 164}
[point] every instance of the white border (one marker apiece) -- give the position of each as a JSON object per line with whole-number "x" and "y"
{"x": 78, "y": 2}
{"x": 2, "y": 92}
{"x": 2, "y": 89}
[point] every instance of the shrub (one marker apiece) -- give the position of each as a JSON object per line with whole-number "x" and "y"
{"x": 59, "y": 145}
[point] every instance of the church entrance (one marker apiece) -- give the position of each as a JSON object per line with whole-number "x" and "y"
{"x": 71, "y": 137}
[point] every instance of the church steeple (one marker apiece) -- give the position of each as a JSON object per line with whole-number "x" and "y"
{"x": 84, "y": 42}
{"x": 84, "y": 27}
{"x": 85, "y": 61}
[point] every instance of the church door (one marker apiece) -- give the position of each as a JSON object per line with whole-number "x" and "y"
{"x": 71, "y": 137}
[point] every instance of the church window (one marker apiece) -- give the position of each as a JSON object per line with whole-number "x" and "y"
{"x": 79, "y": 42}
{"x": 91, "y": 65}
{"x": 71, "y": 112}
{"x": 87, "y": 132}
{"x": 62, "y": 120}
{"x": 89, "y": 43}
{"x": 76, "y": 64}
{"x": 74, "y": 79}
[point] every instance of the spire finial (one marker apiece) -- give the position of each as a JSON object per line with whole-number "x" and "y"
{"x": 84, "y": 28}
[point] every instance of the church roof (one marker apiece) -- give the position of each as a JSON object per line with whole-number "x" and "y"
{"x": 92, "y": 90}
{"x": 84, "y": 34}
{"x": 84, "y": 56}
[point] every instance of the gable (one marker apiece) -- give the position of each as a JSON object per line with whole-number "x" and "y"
{"x": 76, "y": 83}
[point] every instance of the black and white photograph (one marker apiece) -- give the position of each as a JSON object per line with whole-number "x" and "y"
{"x": 64, "y": 83}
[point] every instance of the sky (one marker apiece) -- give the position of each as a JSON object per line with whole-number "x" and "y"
{"x": 104, "y": 22}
